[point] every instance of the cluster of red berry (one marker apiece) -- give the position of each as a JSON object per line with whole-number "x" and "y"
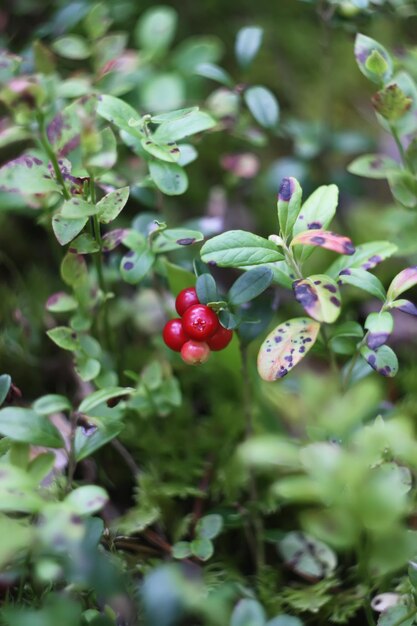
{"x": 197, "y": 331}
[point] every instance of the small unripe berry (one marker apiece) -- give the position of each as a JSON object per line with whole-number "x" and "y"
{"x": 200, "y": 322}
{"x": 186, "y": 298}
{"x": 195, "y": 352}
{"x": 221, "y": 338}
{"x": 174, "y": 335}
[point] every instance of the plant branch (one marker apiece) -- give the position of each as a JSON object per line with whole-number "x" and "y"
{"x": 51, "y": 154}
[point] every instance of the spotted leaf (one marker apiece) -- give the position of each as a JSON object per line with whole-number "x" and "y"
{"x": 308, "y": 557}
{"x": 403, "y": 281}
{"x": 318, "y": 210}
{"x": 363, "y": 280}
{"x": 383, "y": 360}
{"x": 109, "y": 207}
{"x": 373, "y": 166}
{"x": 27, "y": 175}
{"x": 320, "y": 297}
{"x": 285, "y": 346}
{"x": 136, "y": 264}
{"x": 175, "y": 239}
{"x": 379, "y": 327}
{"x": 289, "y": 204}
{"x": 325, "y": 239}
{"x": 405, "y": 306}
{"x": 366, "y": 257}
{"x": 165, "y": 152}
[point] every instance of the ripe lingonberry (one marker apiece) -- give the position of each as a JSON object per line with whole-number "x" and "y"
{"x": 200, "y": 322}
{"x": 221, "y": 338}
{"x": 174, "y": 335}
{"x": 195, "y": 352}
{"x": 185, "y": 299}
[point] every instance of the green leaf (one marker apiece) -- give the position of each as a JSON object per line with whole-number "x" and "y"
{"x": 165, "y": 152}
{"x": 87, "y": 500}
{"x": 181, "y": 550}
{"x": 52, "y": 403}
{"x": 405, "y": 306}
{"x": 248, "y": 42}
{"x": 307, "y": 556}
{"x": 170, "y": 178}
{"x": 373, "y": 166}
{"x": 391, "y": 102}
{"x": 289, "y": 204}
{"x": 366, "y": 257}
{"x": 86, "y": 367}
{"x": 84, "y": 244}
{"x": 156, "y": 29}
{"x": 202, "y": 549}
{"x": 27, "y": 175}
{"x": 74, "y": 270}
{"x": 28, "y": 427}
{"x": 77, "y": 208}
{"x": 120, "y": 114}
{"x": 110, "y": 206}
{"x": 64, "y": 337}
{"x": 318, "y": 210}
{"x": 363, "y": 280}
{"x": 383, "y": 360}
{"x": 396, "y": 615}
{"x": 325, "y": 239}
{"x": 404, "y": 188}
{"x": 214, "y": 72}
{"x": 163, "y": 91}
{"x": 169, "y": 116}
{"x": 248, "y": 612}
{"x": 402, "y": 282}
{"x": 379, "y": 326}
{"x": 72, "y": 47}
{"x": 102, "y": 395}
{"x": 175, "y": 239}
{"x": 136, "y": 264}
{"x": 237, "y": 248}
{"x": 105, "y": 156}
{"x": 41, "y": 466}
{"x": 193, "y": 122}
{"x": 266, "y": 451}
{"x": 206, "y": 289}
{"x": 19, "y": 539}
{"x": 66, "y": 230}
{"x": 263, "y": 105}
{"x": 320, "y": 297}
{"x": 5, "y": 383}
{"x": 285, "y": 346}
{"x": 88, "y": 440}
{"x": 61, "y": 302}
{"x": 373, "y": 59}
{"x": 250, "y": 285}
{"x": 209, "y": 526}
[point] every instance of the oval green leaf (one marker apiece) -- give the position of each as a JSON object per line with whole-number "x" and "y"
{"x": 250, "y": 285}
{"x": 27, "y": 426}
{"x": 238, "y": 248}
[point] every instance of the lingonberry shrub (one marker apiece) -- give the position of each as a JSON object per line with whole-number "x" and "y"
{"x": 127, "y": 479}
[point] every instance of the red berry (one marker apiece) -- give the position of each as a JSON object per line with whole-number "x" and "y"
{"x": 195, "y": 352}
{"x": 200, "y": 322}
{"x": 221, "y": 338}
{"x": 174, "y": 335}
{"x": 185, "y": 299}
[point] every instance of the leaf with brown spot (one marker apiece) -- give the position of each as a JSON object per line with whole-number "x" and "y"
{"x": 325, "y": 239}
{"x": 285, "y": 346}
{"x": 320, "y": 297}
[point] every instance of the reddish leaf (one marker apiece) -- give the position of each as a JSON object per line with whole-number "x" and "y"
{"x": 324, "y": 239}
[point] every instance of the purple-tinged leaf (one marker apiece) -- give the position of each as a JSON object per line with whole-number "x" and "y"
{"x": 27, "y": 175}
{"x": 405, "y": 306}
{"x": 64, "y": 131}
{"x": 320, "y": 297}
{"x": 325, "y": 239}
{"x": 366, "y": 257}
{"x": 114, "y": 238}
{"x": 61, "y": 302}
{"x": 373, "y": 59}
{"x": 403, "y": 281}
{"x": 285, "y": 346}
{"x": 379, "y": 327}
{"x": 383, "y": 360}
{"x": 373, "y": 166}
{"x": 289, "y": 204}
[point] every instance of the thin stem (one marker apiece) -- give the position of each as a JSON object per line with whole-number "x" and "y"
{"x": 406, "y": 163}
{"x": 291, "y": 261}
{"x": 257, "y": 522}
{"x": 51, "y": 154}
{"x": 72, "y": 461}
